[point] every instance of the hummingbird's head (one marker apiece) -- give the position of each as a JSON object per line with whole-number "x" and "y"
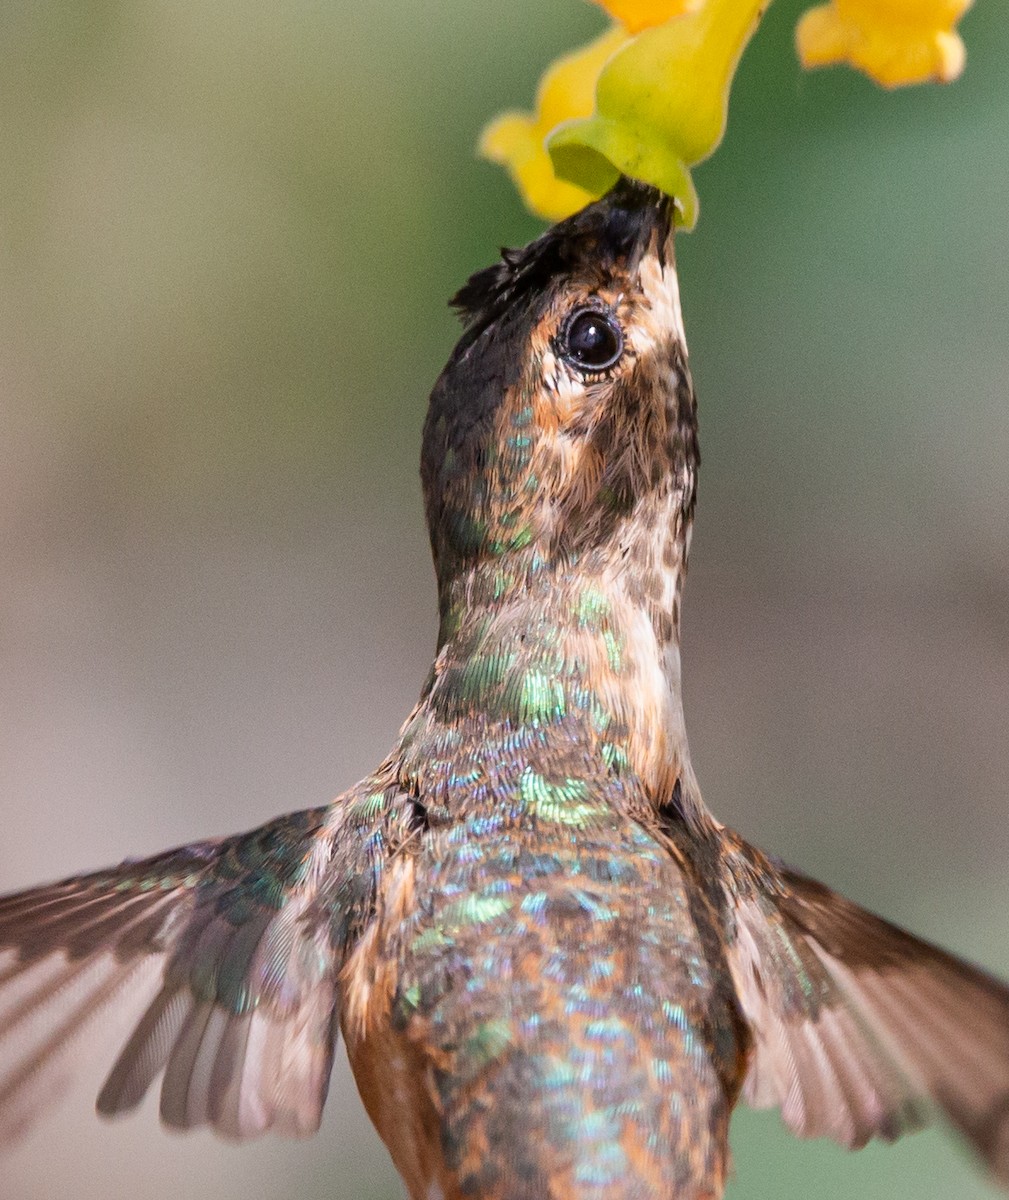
{"x": 565, "y": 413}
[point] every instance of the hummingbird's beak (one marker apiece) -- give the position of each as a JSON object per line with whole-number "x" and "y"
{"x": 638, "y": 219}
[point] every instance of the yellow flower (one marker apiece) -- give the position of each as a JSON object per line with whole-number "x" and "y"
{"x": 893, "y": 41}
{"x": 636, "y": 15}
{"x": 518, "y": 140}
{"x": 659, "y": 101}
{"x": 661, "y": 104}
{"x": 649, "y": 98}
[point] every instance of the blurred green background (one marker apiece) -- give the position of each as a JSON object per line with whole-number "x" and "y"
{"x": 227, "y": 235}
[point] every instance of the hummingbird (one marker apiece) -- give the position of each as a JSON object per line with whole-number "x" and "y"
{"x": 554, "y": 970}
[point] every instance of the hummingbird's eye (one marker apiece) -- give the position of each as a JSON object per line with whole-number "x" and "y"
{"x": 592, "y": 340}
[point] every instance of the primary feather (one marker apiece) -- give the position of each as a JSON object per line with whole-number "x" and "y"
{"x": 217, "y": 952}
{"x": 860, "y": 1028}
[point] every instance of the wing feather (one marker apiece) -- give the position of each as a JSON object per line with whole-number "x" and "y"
{"x": 218, "y": 956}
{"x": 51, "y": 1040}
{"x": 146, "y": 1052}
{"x": 861, "y": 1029}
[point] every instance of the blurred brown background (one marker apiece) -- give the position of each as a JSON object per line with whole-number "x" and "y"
{"x": 227, "y": 235}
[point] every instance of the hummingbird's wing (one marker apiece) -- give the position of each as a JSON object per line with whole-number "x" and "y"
{"x": 860, "y": 1029}
{"x": 219, "y": 950}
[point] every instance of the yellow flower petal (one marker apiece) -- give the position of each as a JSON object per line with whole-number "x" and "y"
{"x": 894, "y": 42}
{"x": 518, "y": 140}
{"x": 636, "y": 15}
{"x": 661, "y": 104}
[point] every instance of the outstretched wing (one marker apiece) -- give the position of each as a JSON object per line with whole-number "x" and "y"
{"x": 860, "y": 1029}
{"x": 219, "y": 951}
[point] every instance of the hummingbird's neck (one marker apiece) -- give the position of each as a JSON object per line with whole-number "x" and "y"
{"x": 566, "y": 662}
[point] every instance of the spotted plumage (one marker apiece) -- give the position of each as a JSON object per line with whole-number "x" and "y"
{"x": 555, "y": 972}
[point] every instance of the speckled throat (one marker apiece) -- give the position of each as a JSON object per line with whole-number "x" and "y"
{"x": 559, "y": 503}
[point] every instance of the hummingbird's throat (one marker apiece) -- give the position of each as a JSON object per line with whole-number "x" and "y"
{"x": 575, "y": 666}
{"x": 559, "y": 501}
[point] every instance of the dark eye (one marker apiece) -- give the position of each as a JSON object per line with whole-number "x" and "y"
{"x": 592, "y": 340}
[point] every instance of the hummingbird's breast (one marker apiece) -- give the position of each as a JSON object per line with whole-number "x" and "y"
{"x": 549, "y": 1004}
